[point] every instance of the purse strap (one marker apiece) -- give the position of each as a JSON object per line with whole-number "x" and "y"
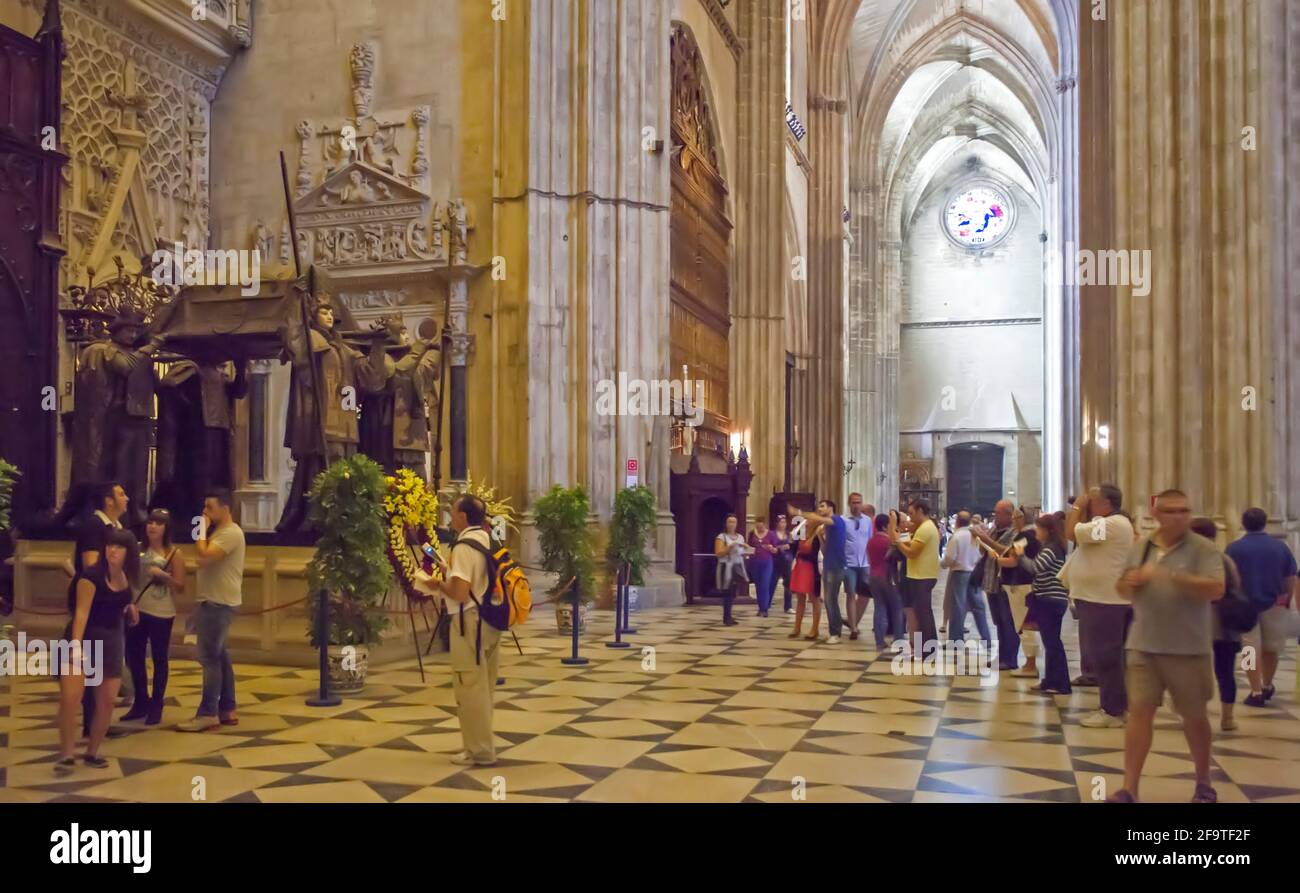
{"x": 166, "y": 563}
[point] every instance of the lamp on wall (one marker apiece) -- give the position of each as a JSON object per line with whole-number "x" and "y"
{"x": 1103, "y": 437}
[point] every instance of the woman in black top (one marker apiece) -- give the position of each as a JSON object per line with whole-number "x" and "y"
{"x": 1049, "y": 602}
{"x": 99, "y": 603}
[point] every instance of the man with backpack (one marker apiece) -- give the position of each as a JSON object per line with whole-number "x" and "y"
{"x": 474, "y": 645}
{"x": 1268, "y": 574}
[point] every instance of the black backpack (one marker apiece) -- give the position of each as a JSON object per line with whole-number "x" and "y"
{"x": 1237, "y": 612}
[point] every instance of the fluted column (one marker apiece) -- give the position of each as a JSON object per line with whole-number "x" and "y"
{"x": 1282, "y": 118}
{"x": 757, "y": 338}
{"x": 1186, "y": 78}
{"x": 860, "y": 406}
{"x": 597, "y": 223}
{"x": 822, "y": 425}
{"x": 1097, "y": 302}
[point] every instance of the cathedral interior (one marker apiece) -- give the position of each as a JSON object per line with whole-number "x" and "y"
{"x": 957, "y": 251}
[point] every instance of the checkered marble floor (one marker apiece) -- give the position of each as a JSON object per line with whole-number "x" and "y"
{"x": 712, "y": 713}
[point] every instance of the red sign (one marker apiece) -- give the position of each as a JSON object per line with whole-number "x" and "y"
{"x": 631, "y": 466}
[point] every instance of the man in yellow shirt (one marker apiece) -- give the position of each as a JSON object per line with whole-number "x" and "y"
{"x": 922, "y": 553}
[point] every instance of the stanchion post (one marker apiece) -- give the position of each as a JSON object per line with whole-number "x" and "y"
{"x": 627, "y": 604}
{"x": 576, "y": 621}
{"x": 620, "y": 596}
{"x": 324, "y": 698}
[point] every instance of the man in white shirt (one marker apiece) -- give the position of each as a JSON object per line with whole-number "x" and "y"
{"x": 475, "y": 646}
{"x": 1102, "y": 540}
{"x": 219, "y": 553}
{"x": 962, "y": 555}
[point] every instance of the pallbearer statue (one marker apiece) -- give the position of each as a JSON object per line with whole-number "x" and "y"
{"x": 336, "y": 371}
{"x": 400, "y": 379}
{"x": 114, "y": 416}
{"x": 195, "y": 407}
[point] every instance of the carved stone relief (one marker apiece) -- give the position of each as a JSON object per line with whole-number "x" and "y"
{"x": 363, "y": 199}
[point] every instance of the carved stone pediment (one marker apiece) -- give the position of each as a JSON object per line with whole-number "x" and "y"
{"x": 359, "y": 192}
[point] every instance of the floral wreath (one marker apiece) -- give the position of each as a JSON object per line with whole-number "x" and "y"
{"x": 412, "y": 510}
{"x": 500, "y": 514}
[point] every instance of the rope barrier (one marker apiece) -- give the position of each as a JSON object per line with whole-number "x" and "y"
{"x": 298, "y": 601}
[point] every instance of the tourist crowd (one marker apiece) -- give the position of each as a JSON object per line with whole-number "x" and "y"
{"x": 1167, "y": 613}
{"x": 122, "y": 603}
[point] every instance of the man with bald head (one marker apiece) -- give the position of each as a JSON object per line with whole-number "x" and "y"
{"x": 993, "y": 580}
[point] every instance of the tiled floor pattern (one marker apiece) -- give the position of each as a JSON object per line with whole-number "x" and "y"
{"x": 714, "y": 713}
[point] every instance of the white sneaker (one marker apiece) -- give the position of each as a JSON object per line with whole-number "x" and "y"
{"x": 1100, "y": 719}
{"x": 199, "y": 724}
{"x": 789, "y": 610}
{"x": 833, "y": 640}
{"x": 465, "y": 758}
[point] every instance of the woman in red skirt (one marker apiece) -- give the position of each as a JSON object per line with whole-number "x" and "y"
{"x": 805, "y": 583}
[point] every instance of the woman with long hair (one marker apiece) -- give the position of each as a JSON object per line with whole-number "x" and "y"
{"x": 162, "y": 576}
{"x": 782, "y": 560}
{"x": 99, "y": 602}
{"x": 763, "y": 544}
{"x": 805, "y": 582}
{"x": 1227, "y": 643}
{"x": 730, "y": 550}
{"x": 1049, "y": 600}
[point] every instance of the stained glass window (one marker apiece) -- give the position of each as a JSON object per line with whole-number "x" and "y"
{"x": 978, "y": 215}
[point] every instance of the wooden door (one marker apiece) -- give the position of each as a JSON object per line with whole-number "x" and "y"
{"x": 30, "y": 249}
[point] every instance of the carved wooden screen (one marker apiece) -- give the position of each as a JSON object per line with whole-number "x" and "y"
{"x": 29, "y": 257}
{"x": 701, "y": 236}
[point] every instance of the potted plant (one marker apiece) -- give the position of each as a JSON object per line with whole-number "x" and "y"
{"x": 567, "y": 550}
{"x": 351, "y": 564}
{"x": 629, "y": 530}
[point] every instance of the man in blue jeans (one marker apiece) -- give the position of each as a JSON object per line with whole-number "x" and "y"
{"x": 220, "y": 552}
{"x": 833, "y": 560}
{"x": 960, "y": 558}
{"x": 858, "y": 529}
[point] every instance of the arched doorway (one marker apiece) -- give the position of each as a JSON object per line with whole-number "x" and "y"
{"x": 974, "y": 476}
{"x": 700, "y": 249}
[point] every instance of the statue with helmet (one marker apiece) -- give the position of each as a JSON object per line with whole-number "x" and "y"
{"x": 399, "y": 378}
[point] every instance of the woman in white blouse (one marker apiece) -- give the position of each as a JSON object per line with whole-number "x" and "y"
{"x": 730, "y": 549}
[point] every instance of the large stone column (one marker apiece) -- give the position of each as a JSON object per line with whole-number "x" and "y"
{"x": 821, "y": 416}
{"x": 1282, "y": 120}
{"x": 1194, "y": 379}
{"x": 597, "y": 222}
{"x": 1097, "y": 307}
{"x": 762, "y": 268}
